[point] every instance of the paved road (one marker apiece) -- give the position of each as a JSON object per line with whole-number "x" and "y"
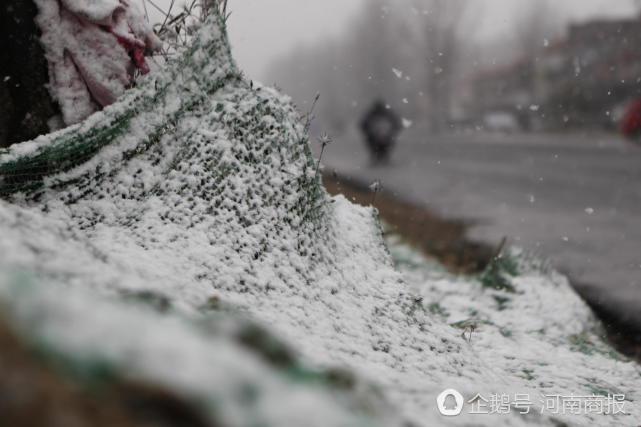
{"x": 575, "y": 200}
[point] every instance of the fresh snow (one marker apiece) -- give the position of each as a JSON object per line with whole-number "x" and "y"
{"x": 205, "y": 219}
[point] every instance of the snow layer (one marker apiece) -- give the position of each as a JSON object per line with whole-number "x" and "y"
{"x": 151, "y": 235}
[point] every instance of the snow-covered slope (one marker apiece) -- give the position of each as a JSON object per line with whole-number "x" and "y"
{"x": 181, "y": 234}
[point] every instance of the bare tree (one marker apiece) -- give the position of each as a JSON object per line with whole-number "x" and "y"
{"x": 404, "y": 52}
{"x": 442, "y": 22}
{"x": 537, "y": 24}
{"x": 364, "y": 65}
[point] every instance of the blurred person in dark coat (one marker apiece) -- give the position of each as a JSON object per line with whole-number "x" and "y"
{"x": 380, "y": 127}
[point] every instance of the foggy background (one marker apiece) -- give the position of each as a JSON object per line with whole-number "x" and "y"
{"x": 433, "y": 61}
{"x": 263, "y": 30}
{"x": 436, "y": 63}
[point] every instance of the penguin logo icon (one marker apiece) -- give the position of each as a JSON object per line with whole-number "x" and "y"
{"x": 450, "y": 403}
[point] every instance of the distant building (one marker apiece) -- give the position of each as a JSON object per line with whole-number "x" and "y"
{"x": 579, "y": 81}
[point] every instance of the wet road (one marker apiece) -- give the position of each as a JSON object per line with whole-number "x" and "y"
{"x": 575, "y": 200}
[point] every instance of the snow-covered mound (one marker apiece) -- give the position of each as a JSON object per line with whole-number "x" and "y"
{"x": 181, "y": 235}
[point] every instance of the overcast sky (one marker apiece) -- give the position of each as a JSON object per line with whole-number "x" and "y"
{"x": 262, "y": 30}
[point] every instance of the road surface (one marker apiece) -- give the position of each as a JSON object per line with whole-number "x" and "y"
{"x": 575, "y": 200}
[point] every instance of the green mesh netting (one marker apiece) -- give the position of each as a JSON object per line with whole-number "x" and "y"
{"x": 174, "y": 104}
